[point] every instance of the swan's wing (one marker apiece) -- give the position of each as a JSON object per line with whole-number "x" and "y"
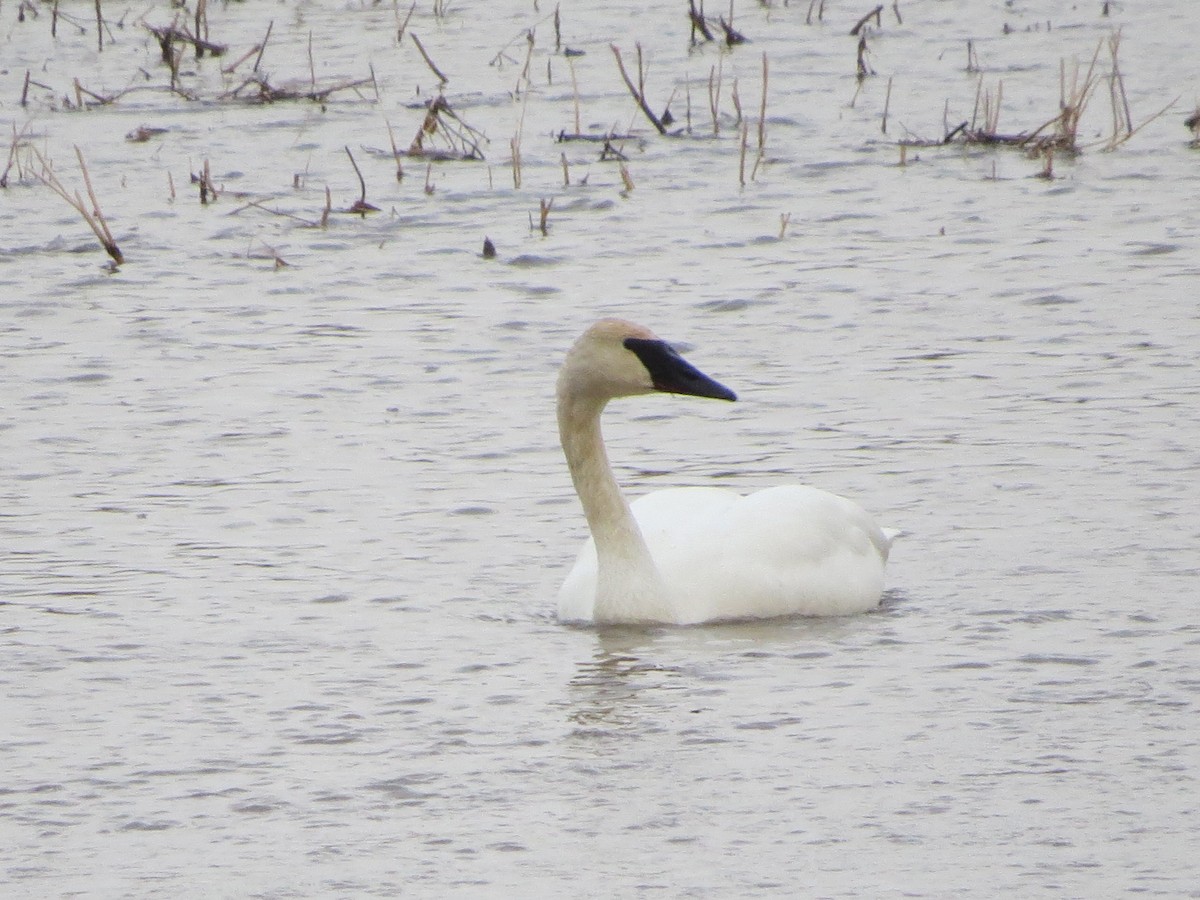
{"x": 788, "y": 550}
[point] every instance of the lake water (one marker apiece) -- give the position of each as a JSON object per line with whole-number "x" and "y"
{"x": 284, "y": 512}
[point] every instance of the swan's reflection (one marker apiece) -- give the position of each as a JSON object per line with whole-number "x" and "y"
{"x": 633, "y": 673}
{"x": 610, "y": 691}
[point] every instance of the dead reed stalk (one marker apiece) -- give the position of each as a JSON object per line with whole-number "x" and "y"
{"x": 201, "y": 25}
{"x": 863, "y": 66}
{"x": 696, "y": 15}
{"x": 263, "y": 46}
{"x": 13, "y": 149}
{"x": 574, "y": 93}
{"x": 714, "y": 95}
{"x": 442, "y": 122}
{"x": 1122, "y": 118}
{"x": 638, "y": 91}
{"x": 403, "y": 25}
{"x": 762, "y": 122}
{"x": 742, "y": 155}
{"x": 396, "y": 155}
{"x": 887, "y": 102}
{"x": 515, "y": 145}
{"x": 877, "y": 12}
{"x": 360, "y": 206}
{"x": 1061, "y": 133}
{"x": 207, "y": 188}
{"x": 733, "y": 37}
{"x": 429, "y": 62}
{"x": 626, "y": 179}
{"x": 92, "y": 216}
{"x": 523, "y": 78}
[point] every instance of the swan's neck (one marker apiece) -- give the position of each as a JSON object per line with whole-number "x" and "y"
{"x": 628, "y": 585}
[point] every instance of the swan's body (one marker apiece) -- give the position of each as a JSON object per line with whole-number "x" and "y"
{"x": 689, "y": 555}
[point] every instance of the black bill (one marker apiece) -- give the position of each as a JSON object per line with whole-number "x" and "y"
{"x": 673, "y": 374}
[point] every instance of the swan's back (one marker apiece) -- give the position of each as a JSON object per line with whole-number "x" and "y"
{"x": 784, "y": 551}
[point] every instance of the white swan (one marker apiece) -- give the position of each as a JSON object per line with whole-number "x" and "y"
{"x": 688, "y": 555}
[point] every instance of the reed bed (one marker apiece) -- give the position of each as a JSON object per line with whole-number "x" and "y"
{"x": 193, "y": 63}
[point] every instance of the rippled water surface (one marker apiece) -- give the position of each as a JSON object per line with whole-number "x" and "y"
{"x": 284, "y": 511}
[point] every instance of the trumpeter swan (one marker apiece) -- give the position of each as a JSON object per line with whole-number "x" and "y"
{"x": 699, "y": 554}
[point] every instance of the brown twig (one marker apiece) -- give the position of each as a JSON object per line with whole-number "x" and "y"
{"x": 404, "y": 24}
{"x": 201, "y": 26}
{"x": 429, "y": 62}
{"x": 887, "y": 102}
{"x": 762, "y": 109}
{"x": 262, "y": 47}
{"x": 637, "y": 94}
{"x": 877, "y": 12}
{"x": 258, "y": 204}
{"x": 396, "y": 155}
{"x": 93, "y": 217}
{"x": 864, "y": 68}
{"x": 170, "y": 35}
{"x": 13, "y": 147}
{"x": 714, "y": 95}
{"x": 732, "y": 36}
{"x": 204, "y": 180}
{"x": 696, "y": 15}
{"x": 563, "y": 136}
{"x": 626, "y": 179}
{"x": 360, "y": 206}
{"x": 742, "y": 155}
{"x": 440, "y": 120}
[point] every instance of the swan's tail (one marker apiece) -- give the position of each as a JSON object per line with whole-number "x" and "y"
{"x": 889, "y": 537}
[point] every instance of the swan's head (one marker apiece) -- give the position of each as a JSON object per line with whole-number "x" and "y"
{"x": 615, "y": 358}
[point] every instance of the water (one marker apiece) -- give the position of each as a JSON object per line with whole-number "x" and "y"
{"x": 281, "y": 542}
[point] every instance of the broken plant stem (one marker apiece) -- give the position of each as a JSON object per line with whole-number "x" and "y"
{"x": 887, "y": 102}
{"x": 360, "y": 205}
{"x": 93, "y": 216}
{"x": 762, "y": 110}
{"x": 742, "y": 155}
{"x": 429, "y": 62}
{"x": 638, "y": 95}
{"x": 877, "y": 12}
